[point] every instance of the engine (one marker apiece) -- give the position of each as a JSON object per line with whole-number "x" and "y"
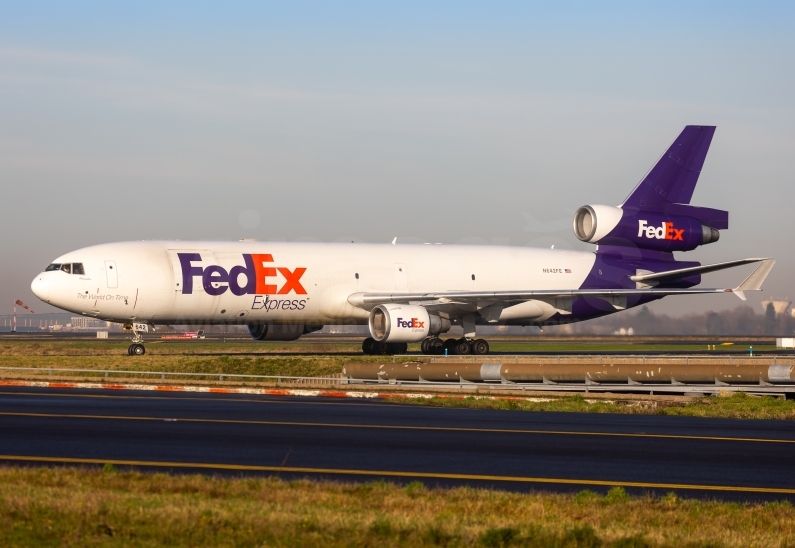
{"x": 404, "y": 323}
{"x": 592, "y": 223}
{"x": 280, "y": 332}
{"x": 655, "y": 230}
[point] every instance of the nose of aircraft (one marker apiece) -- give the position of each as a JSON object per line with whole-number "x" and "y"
{"x": 41, "y": 287}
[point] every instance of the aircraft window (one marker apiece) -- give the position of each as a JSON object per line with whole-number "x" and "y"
{"x": 77, "y": 268}
{"x": 66, "y": 267}
{"x": 54, "y": 266}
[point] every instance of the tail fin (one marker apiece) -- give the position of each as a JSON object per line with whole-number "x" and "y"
{"x": 673, "y": 178}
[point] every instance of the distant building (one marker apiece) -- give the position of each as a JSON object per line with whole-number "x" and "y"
{"x": 82, "y": 323}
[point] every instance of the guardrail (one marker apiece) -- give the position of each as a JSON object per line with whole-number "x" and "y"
{"x": 651, "y": 388}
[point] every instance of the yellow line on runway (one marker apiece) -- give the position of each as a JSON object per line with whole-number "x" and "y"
{"x": 389, "y": 427}
{"x": 395, "y": 474}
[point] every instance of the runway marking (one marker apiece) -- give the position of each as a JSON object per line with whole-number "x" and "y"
{"x": 397, "y": 474}
{"x": 392, "y": 427}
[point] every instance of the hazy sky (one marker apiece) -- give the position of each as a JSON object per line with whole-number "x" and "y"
{"x": 429, "y": 121}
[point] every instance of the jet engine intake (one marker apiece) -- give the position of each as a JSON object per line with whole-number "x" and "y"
{"x": 592, "y": 223}
{"x": 404, "y": 323}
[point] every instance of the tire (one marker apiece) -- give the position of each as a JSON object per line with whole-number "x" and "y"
{"x": 367, "y": 345}
{"x": 449, "y": 345}
{"x": 129, "y": 350}
{"x": 436, "y": 346}
{"x": 137, "y": 350}
{"x": 380, "y": 348}
{"x": 462, "y": 347}
{"x": 425, "y": 346}
{"x": 480, "y": 347}
{"x": 397, "y": 348}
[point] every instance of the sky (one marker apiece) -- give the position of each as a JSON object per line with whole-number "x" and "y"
{"x": 452, "y": 122}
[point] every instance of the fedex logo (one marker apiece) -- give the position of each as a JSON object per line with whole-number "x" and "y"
{"x": 413, "y": 323}
{"x": 664, "y": 232}
{"x": 258, "y": 275}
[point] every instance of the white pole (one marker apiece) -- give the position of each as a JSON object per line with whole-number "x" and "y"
{"x": 14, "y": 328}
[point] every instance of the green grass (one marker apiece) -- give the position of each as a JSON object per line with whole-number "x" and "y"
{"x": 320, "y": 358}
{"x": 106, "y": 507}
{"x": 735, "y": 406}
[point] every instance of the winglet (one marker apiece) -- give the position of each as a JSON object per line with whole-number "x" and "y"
{"x": 755, "y": 280}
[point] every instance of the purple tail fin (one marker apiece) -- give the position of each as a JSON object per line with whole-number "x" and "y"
{"x": 673, "y": 178}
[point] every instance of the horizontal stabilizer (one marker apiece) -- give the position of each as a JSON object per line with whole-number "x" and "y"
{"x": 756, "y": 279}
{"x": 684, "y": 272}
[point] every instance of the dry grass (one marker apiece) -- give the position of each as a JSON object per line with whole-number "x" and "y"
{"x": 80, "y": 507}
{"x": 735, "y": 406}
{"x": 250, "y": 358}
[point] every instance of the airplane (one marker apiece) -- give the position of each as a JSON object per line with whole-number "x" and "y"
{"x": 411, "y": 293}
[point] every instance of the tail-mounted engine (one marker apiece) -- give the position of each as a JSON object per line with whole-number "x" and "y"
{"x": 404, "y": 323}
{"x": 659, "y": 231}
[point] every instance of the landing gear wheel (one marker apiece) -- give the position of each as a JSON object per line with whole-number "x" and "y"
{"x": 136, "y": 349}
{"x": 129, "y": 350}
{"x": 425, "y": 346}
{"x": 436, "y": 346}
{"x": 480, "y": 347}
{"x": 367, "y": 345}
{"x": 462, "y": 347}
{"x": 449, "y": 345}
{"x": 379, "y": 347}
{"x": 397, "y": 348}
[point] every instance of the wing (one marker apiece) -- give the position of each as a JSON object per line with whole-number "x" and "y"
{"x": 616, "y": 297}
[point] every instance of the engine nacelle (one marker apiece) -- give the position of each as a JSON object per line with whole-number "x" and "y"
{"x": 279, "y": 332}
{"x": 592, "y": 223}
{"x": 404, "y": 323}
{"x": 659, "y": 231}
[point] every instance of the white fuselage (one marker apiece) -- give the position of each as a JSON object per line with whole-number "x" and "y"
{"x": 296, "y": 282}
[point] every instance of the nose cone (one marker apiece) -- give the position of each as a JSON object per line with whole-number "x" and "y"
{"x": 41, "y": 287}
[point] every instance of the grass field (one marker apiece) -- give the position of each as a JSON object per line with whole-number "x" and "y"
{"x": 300, "y": 358}
{"x": 326, "y": 358}
{"x": 83, "y": 507}
{"x": 734, "y": 406}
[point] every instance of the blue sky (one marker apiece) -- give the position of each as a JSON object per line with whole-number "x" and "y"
{"x": 451, "y": 122}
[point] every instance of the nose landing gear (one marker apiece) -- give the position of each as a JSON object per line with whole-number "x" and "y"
{"x": 137, "y": 347}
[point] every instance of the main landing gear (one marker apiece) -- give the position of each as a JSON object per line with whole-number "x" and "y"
{"x": 456, "y": 347}
{"x": 373, "y": 347}
{"x": 431, "y": 345}
{"x": 137, "y": 346}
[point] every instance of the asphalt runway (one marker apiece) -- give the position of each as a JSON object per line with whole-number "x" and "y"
{"x": 367, "y": 440}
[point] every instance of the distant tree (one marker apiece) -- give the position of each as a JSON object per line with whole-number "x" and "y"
{"x": 770, "y": 319}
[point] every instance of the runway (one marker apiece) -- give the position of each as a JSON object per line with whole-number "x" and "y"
{"x": 351, "y": 440}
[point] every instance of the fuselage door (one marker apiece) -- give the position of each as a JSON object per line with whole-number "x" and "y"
{"x": 111, "y": 274}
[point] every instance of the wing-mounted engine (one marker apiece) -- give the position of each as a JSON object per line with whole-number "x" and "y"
{"x": 280, "y": 332}
{"x": 404, "y": 323}
{"x": 656, "y": 230}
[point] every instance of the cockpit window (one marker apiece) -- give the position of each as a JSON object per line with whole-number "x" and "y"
{"x": 77, "y": 268}
{"x": 54, "y": 266}
{"x": 67, "y": 267}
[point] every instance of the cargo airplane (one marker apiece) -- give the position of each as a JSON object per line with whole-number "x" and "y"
{"x": 411, "y": 293}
